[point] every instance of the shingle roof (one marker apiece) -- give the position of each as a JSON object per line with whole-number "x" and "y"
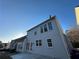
{"x": 21, "y": 39}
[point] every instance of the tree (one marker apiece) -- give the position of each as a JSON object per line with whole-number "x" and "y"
{"x": 73, "y": 35}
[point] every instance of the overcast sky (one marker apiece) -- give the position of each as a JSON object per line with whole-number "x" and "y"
{"x": 17, "y": 16}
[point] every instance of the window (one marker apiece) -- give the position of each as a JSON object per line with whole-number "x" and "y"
{"x": 45, "y": 28}
{"x": 38, "y": 43}
{"x": 41, "y": 28}
{"x": 49, "y": 42}
{"x": 35, "y": 33}
{"x": 50, "y": 25}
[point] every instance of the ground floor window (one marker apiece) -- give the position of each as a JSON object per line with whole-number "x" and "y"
{"x": 49, "y": 41}
{"x": 38, "y": 43}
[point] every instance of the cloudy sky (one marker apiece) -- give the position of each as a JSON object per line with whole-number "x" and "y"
{"x": 17, "y": 16}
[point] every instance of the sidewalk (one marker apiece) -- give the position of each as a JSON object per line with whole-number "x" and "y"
{"x": 29, "y": 56}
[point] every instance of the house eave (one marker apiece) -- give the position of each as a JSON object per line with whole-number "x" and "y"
{"x": 52, "y": 18}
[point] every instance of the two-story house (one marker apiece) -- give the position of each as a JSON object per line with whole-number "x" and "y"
{"x": 47, "y": 39}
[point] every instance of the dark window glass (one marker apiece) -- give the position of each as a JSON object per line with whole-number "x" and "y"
{"x": 40, "y": 43}
{"x": 35, "y": 33}
{"x": 45, "y": 27}
{"x": 50, "y": 26}
{"x": 36, "y": 42}
{"x": 41, "y": 29}
{"x": 49, "y": 42}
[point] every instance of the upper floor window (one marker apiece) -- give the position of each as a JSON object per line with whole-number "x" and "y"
{"x": 41, "y": 29}
{"x": 45, "y": 28}
{"x": 35, "y": 33}
{"x": 50, "y": 26}
{"x": 38, "y": 43}
{"x": 49, "y": 41}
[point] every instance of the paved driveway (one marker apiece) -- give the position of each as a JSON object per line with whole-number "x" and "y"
{"x": 29, "y": 56}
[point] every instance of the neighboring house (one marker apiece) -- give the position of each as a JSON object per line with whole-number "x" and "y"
{"x": 17, "y": 44}
{"x": 8, "y": 45}
{"x": 13, "y": 44}
{"x": 1, "y": 46}
{"x": 25, "y": 45}
{"x": 47, "y": 39}
{"x": 5, "y": 45}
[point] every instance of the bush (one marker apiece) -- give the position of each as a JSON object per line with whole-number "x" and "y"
{"x": 75, "y": 44}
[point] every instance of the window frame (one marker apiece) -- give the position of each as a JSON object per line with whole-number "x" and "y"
{"x": 45, "y": 28}
{"x": 35, "y": 33}
{"x": 41, "y": 29}
{"x": 38, "y": 43}
{"x": 49, "y": 43}
{"x": 50, "y": 26}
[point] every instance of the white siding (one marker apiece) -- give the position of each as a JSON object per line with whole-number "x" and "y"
{"x": 57, "y": 50}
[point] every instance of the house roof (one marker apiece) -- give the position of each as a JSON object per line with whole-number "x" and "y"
{"x": 51, "y": 18}
{"x": 21, "y": 39}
